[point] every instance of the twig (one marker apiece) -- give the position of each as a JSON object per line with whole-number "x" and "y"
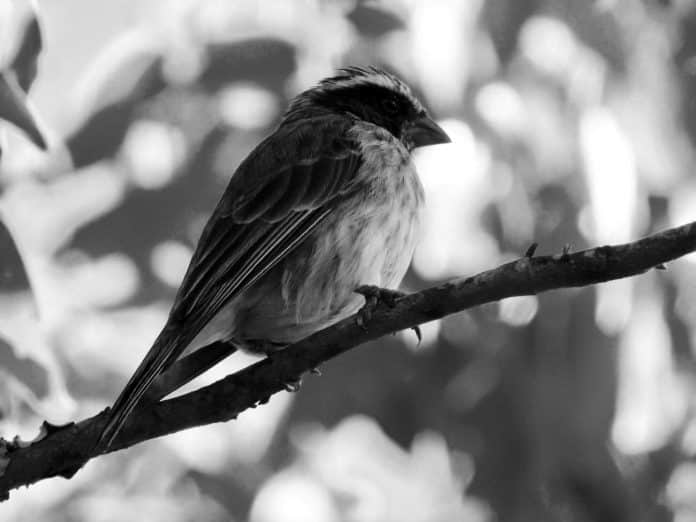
{"x": 63, "y": 451}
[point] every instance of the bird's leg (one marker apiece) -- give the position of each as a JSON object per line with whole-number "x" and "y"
{"x": 374, "y": 296}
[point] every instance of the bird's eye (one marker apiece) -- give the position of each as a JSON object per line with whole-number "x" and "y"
{"x": 390, "y": 106}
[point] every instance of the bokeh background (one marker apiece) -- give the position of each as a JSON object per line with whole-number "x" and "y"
{"x": 573, "y": 122}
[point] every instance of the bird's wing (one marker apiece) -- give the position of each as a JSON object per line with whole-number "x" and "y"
{"x": 277, "y": 197}
{"x": 262, "y": 217}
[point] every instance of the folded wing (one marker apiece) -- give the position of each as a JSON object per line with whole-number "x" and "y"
{"x": 276, "y": 199}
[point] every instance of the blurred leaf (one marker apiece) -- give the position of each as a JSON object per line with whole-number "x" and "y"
{"x": 684, "y": 57}
{"x": 373, "y": 22}
{"x": 13, "y": 276}
{"x": 102, "y": 134}
{"x": 24, "y": 63}
{"x": 16, "y": 296}
{"x": 13, "y": 108}
{"x": 266, "y": 61}
{"x": 135, "y": 76}
{"x": 159, "y": 215}
{"x": 597, "y": 29}
{"x": 24, "y": 371}
{"x": 504, "y": 20}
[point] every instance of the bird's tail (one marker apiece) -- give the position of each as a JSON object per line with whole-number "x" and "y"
{"x": 187, "y": 368}
{"x": 165, "y": 350}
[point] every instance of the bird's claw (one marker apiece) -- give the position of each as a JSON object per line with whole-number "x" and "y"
{"x": 293, "y": 386}
{"x": 374, "y": 295}
{"x": 416, "y": 329}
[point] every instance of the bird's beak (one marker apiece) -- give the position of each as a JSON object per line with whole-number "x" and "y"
{"x": 425, "y": 131}
{"x": 14, "y": 109}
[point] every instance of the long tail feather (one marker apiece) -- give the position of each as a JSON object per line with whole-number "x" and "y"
{"x": 164, "y": 351}
{"x": 188, "y": 368}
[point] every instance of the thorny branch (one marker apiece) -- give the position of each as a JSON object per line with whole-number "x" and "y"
{"x": 61, "y": 451}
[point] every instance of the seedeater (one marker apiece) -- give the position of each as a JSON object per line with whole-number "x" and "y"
{"x": 330, "y": 201}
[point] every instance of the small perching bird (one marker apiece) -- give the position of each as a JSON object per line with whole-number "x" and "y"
{"x": 327, "y": 203}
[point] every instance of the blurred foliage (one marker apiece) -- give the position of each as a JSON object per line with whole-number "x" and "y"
{"x": 572, "y": 123}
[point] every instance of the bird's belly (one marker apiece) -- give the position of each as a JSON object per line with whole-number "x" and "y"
{"x": 366, "y": 241}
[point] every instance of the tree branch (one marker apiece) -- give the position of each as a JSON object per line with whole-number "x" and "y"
{"x": 61, "y": 451}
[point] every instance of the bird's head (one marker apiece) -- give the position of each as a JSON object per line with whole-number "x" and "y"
{"x": 375, "y": 96}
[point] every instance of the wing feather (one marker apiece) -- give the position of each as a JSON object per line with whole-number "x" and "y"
{"x": 301, "y": 179}
{"x": 263, "y": 200}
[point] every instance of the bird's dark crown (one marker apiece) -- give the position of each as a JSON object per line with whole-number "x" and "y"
{"x": 368, "y": 93}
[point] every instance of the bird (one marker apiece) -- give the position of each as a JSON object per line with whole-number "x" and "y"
{"x": 325, "y": 208}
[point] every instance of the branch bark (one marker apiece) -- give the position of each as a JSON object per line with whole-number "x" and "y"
{"x": 61, "y": 451}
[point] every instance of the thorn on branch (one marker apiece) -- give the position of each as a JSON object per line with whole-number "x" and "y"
{"x": 531, "y": 250}
{"x": 49, "y": 429}
{"x": 565, "y": 253}
{"x": 293, "y": 386}
{"x": 262, "y": 401}
{"x": 416, "y": 329}
{"x": 16, "y": 444}
{"x": 661, "y": 266}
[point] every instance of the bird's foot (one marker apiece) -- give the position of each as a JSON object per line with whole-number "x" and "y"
{"x": 374, "y": 296}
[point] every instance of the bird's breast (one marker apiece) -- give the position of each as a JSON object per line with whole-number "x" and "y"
{"x": 368, "y": 239}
